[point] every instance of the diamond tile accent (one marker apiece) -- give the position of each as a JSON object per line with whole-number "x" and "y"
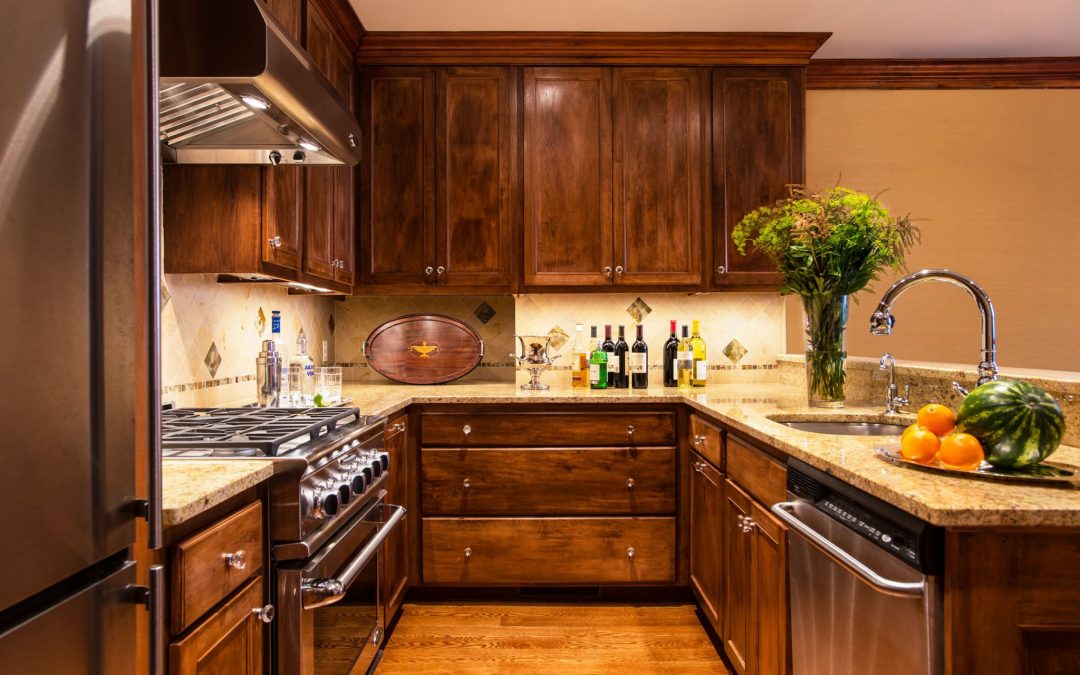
{"x": 558, "y": 337}
{"x": 735, "y": 351}
{"x": 484, "y": 312}
{"x": 165, "y": 295}
{"x": 331, "y": 324}
{"x": 638, "y": 310}
{"x": 212, "y": 359}
{"x": 260, "y": 322}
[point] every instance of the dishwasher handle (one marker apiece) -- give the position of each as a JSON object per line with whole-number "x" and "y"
{"x": 785, "y": 511}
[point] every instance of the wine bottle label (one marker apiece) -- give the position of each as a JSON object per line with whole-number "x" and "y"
{"x": 639, "y": 363}
{"x": 594, "y": 373}
{"x": 685, "y": 359}
{"x": 702, "y": 370}
{"x": 613, "y": 365}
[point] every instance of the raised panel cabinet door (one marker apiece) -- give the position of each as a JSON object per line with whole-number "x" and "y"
{"x": 706, "y": 537}
{"x": 395, "y": 557}
{"x": 758, "y": 139}
{"x": 475, "y": 129}
{"x": 343, "y": 216}
{"x": 738, "y": 630}
{"x": 228, "y": 642}
{"x": 283, "y": 194}
{"x": 318, "y": 38}
{"x": 287, "y": 12}
{"x": 658, "y": 168}
{"x": 769, "y": 609}
{"x": 319, "y": 221}
{"x": 397, "y": 176}
{"x": 568, "y": 226}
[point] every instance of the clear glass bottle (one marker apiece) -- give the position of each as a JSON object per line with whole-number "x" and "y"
{"x": 685, "y": 360}
{"x": 671, "y": 353}
{"x": 579, "y": 359}
{"x": 283, "y": 357}
{"x": 598, "y": 361}
{"x": 301, "y": 376}
{"x": 622, "y": 375}
{"x": 701, "y": 364}
{"x": 639, "y": 361}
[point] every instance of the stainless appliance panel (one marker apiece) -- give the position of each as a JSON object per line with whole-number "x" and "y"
{"x": 843, "y": 624}
{"x": 66, "y": 266}
{"x": 90, "y": 632}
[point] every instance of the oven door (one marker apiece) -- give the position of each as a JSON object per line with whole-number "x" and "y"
{"x": 331, "y": 614}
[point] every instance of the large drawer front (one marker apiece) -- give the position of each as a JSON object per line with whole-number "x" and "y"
{"x": 547, "y": 429}
{"x": 548, "y": 481}
{"x": 520, "y": 551}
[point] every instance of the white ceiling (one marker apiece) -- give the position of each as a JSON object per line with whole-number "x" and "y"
{"x": 861, "y": 28}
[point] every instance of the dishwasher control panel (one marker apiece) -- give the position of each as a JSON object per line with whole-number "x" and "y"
{"x": 889, "y": 536}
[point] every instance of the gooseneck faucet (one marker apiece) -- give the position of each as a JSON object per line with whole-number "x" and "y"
{"x": 893, "y": 400}
{"x": 882, "y": 321}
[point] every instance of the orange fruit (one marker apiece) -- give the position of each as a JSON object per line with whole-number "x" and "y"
{"x": 919, "y": 444}
{"x": 960, "y": 451}
{"x": 937, "y": 418}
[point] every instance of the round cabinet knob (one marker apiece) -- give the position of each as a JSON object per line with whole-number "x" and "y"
{"x": 629, "y": 483}
{"x": 440, "y": 270}
{"x": 607, "y": 271}
{"x": 265, "y": 614}
{"x": 630, "y": 552}
{"x": 466, "y": 430}
{"x": 466, "y": 484}
{"x": 721, "y": 270}
{"x": 236, "y": 560}
{"x": 468, "y": 553}
{"x": 429, "y": 270}
{"x": 618, "y": 269}
{"x": 275, "y": 242}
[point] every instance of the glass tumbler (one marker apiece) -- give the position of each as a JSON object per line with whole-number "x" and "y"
{"x": 328, "y": 383}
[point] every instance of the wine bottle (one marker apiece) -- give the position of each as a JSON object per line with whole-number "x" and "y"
{"x": 671, "y": 350}
{"x": 639, "y": 361}
{"x": 597, "y": 364}
{"x": 701, "y": 365}
{"x": 622, "y": 375}
{"x": 579, "y": 360}
{"x": 685, "y": 360}
{"x": 612, "y": 363}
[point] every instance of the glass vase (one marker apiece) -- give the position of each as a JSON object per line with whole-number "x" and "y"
{"x": 826, "y": 317}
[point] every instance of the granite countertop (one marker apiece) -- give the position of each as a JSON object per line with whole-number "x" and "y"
{"x": 746, "y": 408}
{"x": 191, "y": 486}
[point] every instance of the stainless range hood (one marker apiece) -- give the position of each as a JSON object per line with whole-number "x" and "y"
{"x": 236, "y": 89}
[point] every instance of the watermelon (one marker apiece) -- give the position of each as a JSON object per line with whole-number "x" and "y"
{"x": 1017, "y": 423}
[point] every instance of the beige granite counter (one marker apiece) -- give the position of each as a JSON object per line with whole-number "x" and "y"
{"x": 746, "y": 408}
{"x": 191, "y": 486}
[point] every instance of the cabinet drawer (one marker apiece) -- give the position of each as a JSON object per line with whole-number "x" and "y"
{"x": 504, "y": 551}
{"x": 763, "y": 477}
{"x": 707, "y": 440}
{"x": 547, "y": 429}
{"x": 213, "y": 563}
{"x": 548, "y": 481}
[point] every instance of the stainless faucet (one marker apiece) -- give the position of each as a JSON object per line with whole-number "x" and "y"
{"x": 893, "y": 400}
{"x": 882, "y": 321}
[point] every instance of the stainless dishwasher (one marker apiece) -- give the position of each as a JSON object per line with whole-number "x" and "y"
{"x": 864, "y": 580}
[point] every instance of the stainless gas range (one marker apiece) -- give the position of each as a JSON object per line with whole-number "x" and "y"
{"x": 327, "y": 522}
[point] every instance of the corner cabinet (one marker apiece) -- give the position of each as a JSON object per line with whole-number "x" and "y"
{"x": 437, "y": 183}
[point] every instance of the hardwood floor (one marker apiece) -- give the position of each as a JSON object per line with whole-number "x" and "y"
{"x": 549, "y": 638}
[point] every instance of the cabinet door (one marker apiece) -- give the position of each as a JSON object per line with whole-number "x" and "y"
{"x": 397, "y": 184}
{"x": 317, "y": 39}
{"x": 229, "y": 641}
{"x": 282, "y": 225}
{"x": 343, "y": 220}
{"x": 769, "y": 616}
{"x": 658, "y": 160}
{"x": 475, "y": 128}
{"x": 287, "y": 12}
{"x": 318, "y": 221}
{"x": 758, "y": 136}
{"x": 395, "y": 557}
{"x": 706, "y": 537}
{"x": 738, "y": 629}
{"x": 568, "y": 226}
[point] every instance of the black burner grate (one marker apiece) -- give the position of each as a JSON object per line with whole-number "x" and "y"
{"x": 265, "y": 429}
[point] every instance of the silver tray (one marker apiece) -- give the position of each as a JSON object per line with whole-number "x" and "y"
{"x": 1044, "y": 473}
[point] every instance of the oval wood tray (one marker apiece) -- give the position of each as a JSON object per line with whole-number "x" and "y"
{"x": 423, "y": 349}
{"x": 1044, "y": 473}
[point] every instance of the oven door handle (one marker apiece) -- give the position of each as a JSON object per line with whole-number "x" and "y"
{"x": 321, "y": 592}
{"x": 785, "y": 512}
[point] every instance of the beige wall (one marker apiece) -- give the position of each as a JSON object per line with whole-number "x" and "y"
{"x": 996, "y": 177}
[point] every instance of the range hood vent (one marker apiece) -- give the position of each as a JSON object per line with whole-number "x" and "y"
{"x": 236, "y": 89}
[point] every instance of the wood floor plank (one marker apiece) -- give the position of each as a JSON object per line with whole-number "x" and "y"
{"x": 535, "y": 638}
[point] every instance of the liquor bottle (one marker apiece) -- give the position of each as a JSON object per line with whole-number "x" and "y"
{"x": 579, "y": 360}
{"x": 701, "y": 365}
{"x": 597, "y": 364}
{"x": 671, "y": 350}
{"x": 302, "y": 375}
{"x": 283, "y": 357}
{"x": 622, "y": 376}
{"x": 612, "y": 363}
{"x": 639, "y": 361}
{"x": 684, "y": 360}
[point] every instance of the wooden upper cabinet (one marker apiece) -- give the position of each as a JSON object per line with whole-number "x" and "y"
{"x": 475, "y": 132}
{"x": 287, "y": 13}
{"x": 758, "y": 135}
{"x": 659, "y": 162}
{"x": 568, "y": 222}
{"x": 282, "y": 217}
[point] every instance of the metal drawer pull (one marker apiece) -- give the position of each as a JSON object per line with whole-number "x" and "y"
{"x": 630, "y": 552}
{"x": 466, "y": 430}
{"x": 748, "y": 525}
{"x": 698, "y": 440}
{"x": 235, "y": 560}
{"x": 466, "y": 483}
{"x": 629, "y": 483}
{"x": 700, "y": 468}
{"x": 399, "y": 427}
{"x": 275, "y": 242}
{"x": 265, "y": 614}
{"x": 785, "y": 511}
{"x": 468, "y": 553}
{"x": 630, "y": 431}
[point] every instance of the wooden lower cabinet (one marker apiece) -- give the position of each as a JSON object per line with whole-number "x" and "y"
{"x": 228, "y": 642}
{"x": 706, "y": 539}
{"x": 395, "y": 555}
{"x": 536, "y": 551}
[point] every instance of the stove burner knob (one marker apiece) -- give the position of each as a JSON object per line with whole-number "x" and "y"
{"x": 384, "y": 459}
{"x": 376, "y": 468}
{"x": 325, "y": 504}
{"x": 368, "y": 475}
{"x": 359, "y": 484}
{"x": 344, "y": 493}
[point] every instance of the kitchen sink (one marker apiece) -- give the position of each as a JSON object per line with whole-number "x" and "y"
{"x": 837, "y": 428}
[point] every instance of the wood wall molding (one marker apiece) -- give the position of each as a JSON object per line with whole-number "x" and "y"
{"x": 1018, "y": 73}
{"x": 561, "y": 48}
{"x": 344, "y": 21}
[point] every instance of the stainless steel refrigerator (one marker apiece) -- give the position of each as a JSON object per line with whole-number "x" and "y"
{"x": 69, "y": 347}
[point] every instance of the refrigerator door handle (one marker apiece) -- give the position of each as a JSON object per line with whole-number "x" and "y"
{"x": 153, "y": 598}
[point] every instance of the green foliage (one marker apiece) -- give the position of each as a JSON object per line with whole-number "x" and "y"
{"x": 830, "y": 244}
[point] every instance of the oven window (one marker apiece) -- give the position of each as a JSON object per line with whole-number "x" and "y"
{"x": 343, "y": 629}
